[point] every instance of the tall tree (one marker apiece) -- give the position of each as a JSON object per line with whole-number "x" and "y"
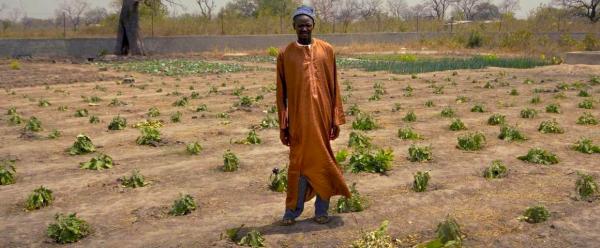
{"x": 486, "y": 11}
{"x": 439, "y": 8}
{"x": 95, "y": 15}
{"x": 73, "y": 10}
{"x": 206, "y": 8}
{"x": 467, "y": 7}
{"x": 129, "y": 39}
{"x": 586, "y": 8}
{"x": 346, "y": 12}
{"x": 508, "y": 7}
{"x": 397, "y": 8}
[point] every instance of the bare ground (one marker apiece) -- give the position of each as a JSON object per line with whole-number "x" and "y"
{"x": 487, "y": 210}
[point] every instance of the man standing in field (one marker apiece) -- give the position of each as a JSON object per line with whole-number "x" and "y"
{"x": 310, "y": 113}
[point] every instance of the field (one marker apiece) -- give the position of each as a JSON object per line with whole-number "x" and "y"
{"x": 488, "y": 210}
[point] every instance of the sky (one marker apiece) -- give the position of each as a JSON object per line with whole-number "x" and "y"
{"x": 45, "y": 8}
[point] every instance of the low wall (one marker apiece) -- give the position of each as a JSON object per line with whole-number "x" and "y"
{"x": 91, "y": 47}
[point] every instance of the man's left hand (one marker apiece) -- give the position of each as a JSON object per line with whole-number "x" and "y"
{"x": 335, "y": 132}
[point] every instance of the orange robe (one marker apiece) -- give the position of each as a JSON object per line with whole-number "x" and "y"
{"x": 309, "y": 104}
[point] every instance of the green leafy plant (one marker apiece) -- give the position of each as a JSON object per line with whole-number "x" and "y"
{"x": 252, "y": 239}
{"x": 586, "y": 104}
{"x": 117, "y": 123}
{"x": 195, "y": 95}
{"x": 528, "y": 113}
{"x": 438, "y": 90}
{"x": 201, "y": 108}
{"x": 550, "y": 126}
{"x": 356, "y": 203}
{"x": 278, "y": 180}
{"x": 62, "y": 108}
{"x": 429, "y": 104}
{"x": 354, "y": 110}
{"x": 269, "y": 122}
{"x": 375, "y": 239}
{"x": 448, "y": 233}
{"x": 407, "y": 133}
{"x": 12, "y": 110}
{"x": 149, "y": 136}
{"x": 479, "y": 108}
{"x": 15, "y": 119}
{"x": 183, "y": 206}
{"x": 251, "y": 139}
{"x": 553, "y": 108}
{"x": 176, "y": 117}
{"x": 341, "y": 156}
{"x": 514, "y": 92}
{"x": 367, "y": 161}
{"x": 182, "y": 102}
{"x": 153, "y": 112}
{"x": 587, "y": 119}
{"x": 136, "y": 180}
{"x": 583, "y": 93}
{"x": 33, "y": 125}
{"x": 54, "y": 134}
{"x": 245, "y": 101}
{"x": 539, "y": 156}
{"x": 510, "y": 133}
{"x": 116, "y": 102}
{"x": 462, "y": 99}
{"x": 94, "y": 119}
{"x": 586, "y": 186}
{"x": 397, "y": 107}
{"x": 535, "y": 100}
{"x": 410, "y": 117}
{"x": 39, "y": 198}
{"x": 419, "y": 153}
{"x": 471, "y": 141}
{"x": 223, "y": 115}
{"x": 100, "y": 162}
{"x": 496, "y": 170}
{"x": 586, "y": 145}
{"x": 421, "y": 180}
{"x": 535, "y": 214}
{"x": 364, "y": 122}
{"x": 81, "y": 113}
{"x": 230, "y": 161}
{"x": 149, "y": 123}
{"x": 457, "y": 125}
{"x": 82, "y": 145}
{"x": 194, "y": 148}
{"x": 44, "y": 103}
{"x": 447, "y": 112}
{"x": 68, "y": 229}
{"x": 7, "y": 172}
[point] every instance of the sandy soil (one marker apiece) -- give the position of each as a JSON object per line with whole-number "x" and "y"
{"x": 487, "y": 210}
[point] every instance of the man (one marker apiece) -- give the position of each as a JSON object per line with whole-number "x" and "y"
{"x": 310, "y": 113}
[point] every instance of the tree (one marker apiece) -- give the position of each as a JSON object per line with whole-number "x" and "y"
{"x": 486, "y": 11}
{"x": 206, "y": 8}
{"x": 397, "y": 8}
{"x": 95, "y": 16}
{"x": 73, "y": 10}
{"x": 129, "y": 40}
{"x": 439, "y": 8}
{"x": 467, "y": 7}
{"x": 586, "y": 8}
{"x": 508, "y": 7}
{"x": 370, "y": 8}
{"x": 347, "y": 11}
{"x": 240, "y": 8}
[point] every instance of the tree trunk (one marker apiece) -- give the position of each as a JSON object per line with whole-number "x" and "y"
{"x": 129, "y": 41}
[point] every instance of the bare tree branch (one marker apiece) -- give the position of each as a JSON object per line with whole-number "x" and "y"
{"x": 587, "y": 8}
{"x": 206, "y": 8}
{"x": 397, "y": 8}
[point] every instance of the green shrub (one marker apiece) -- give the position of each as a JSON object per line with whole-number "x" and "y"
{"x": 429, "y": 104}
{"x": 367, "y": 161}
{"x": 595, "y": 80}
{"x": 273, "y": 51}
{"x": 269, "y": 122}
{"x": 535, "y": 100}
{"x": 43, "y": 103}
{"x": 252, "y": 239}
{"x": 15, "y": 119}
{"x": 419, "y": 153}
{"x": 447, "y": 112}
{"x": 201, "y": 108}
{"x": 279, "y": 180}
{"x": 553, "y": 108}
{"x": 536, "y": 214}
{"x": 100, "y": 162}
{"x": 354, "y": 110}
{"x": 245, "y": 101}
{"x": 251, "y": 139}
{"x": 364, "y": 122}
{"x": 478, "y": 108}
{"x": 68, "y": 229}
{"x": 94, "y": 119}
{"x": 457, "y": 125}
{"x": 550, "y": 126}
{"x": 471, "y": 141}
{"x": 136, "y": 180}
{"x": 586, "y": 104}
{"x": 341, "y": 156}
{"x": 590, "y": 42}
{"x": 376, "y": 239}
{"x": 496, "y": 170}
{"x": 7, "y": 172}
{"x": 82, "y": 145}
{"x": 475, "y": 40}
{"x": 230, "y": 161}
{"x": 407, "y": 133}
{"x": 195, "y": 95}
{"x": 39, "y": 198}
{"x": 408, "y": 91}
{"x": 356, "y": 203}
{"x": 33, "y": 125}
{"x": 194, "y": 148}
{"x": 81, "y": 113}
{"x": 586, "y": 186}
{"x": 583, "y": 93}
{"x": 12, "y": 110}
{"x": 359, "y": 140}
{"x": 539, "y": 156}
{"x": 410, "y": 117}
{"x": 587, "y": 119}
{"x": 510, "y": 133}
{"x": 528, "y": 113}
{"x": 514, "y": 92}
{"x": 176, "y": 117}
{"x": 585, "y": 145}
{"x": 149, "y": 136}
{"x": 182, "y": 102}
{"x": 183, "y": 206}
{"x": 117, "y": 123}
{"x": 54, "y": 134}
{"x": 153, "y": 112}
{"x": 421, "y": 180}
{"x": 449, "y": 233}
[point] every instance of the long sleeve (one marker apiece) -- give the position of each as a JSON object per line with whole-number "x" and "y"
{"x": 338, "y": 110}
{"x": 281, "y": 93}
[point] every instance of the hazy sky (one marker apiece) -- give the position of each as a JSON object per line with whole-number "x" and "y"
{"x": 45, "y": 8}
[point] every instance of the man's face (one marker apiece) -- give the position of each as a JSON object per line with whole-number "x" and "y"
{"x": 303, "y": 26}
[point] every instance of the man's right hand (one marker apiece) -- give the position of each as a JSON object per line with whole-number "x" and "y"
{"x": 284, "y": 136}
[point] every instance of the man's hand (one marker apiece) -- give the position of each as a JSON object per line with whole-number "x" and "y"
{"x": 284, "y": 136}
{"x": 334, "y": 133}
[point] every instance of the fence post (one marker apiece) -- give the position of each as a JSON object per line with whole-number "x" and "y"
{"x": 64, "y": 25}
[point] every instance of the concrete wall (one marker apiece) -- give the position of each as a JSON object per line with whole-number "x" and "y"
{"x": 91, "y": 47}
